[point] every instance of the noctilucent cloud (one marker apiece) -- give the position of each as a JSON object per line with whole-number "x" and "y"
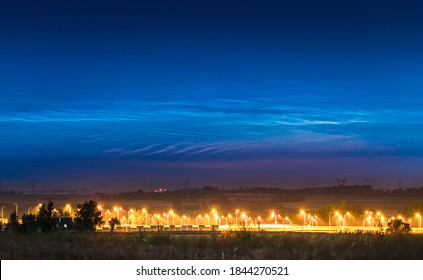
{"x": 224, "y": 93}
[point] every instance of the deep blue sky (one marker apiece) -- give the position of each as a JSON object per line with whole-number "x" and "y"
{"x": 272, "y": 93}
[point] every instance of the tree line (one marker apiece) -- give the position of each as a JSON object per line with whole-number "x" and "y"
{"x": 86, "y": 218}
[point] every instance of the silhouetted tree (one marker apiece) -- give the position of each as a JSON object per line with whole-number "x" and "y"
{"x": 29, "y": 223}
{"x": 46, "y": 216}
{"x": 87, "y": 216}
{"x": 13, "y": 223}
{"x": 398, "y": 226}
{"x": 113, "y": 222}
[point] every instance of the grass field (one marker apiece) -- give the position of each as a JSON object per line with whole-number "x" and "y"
{"x": 241, "y": 245}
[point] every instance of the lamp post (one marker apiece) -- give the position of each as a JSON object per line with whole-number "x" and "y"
{"x": 228, "y": 217}
{"x": 417, "y": 215}
{"x": 370, "y": 218}
{"x": 274, "y": 216}
{"x": 304, "y": 214}
{"x": 283, "y": 221}
{"x": 185, "y": 216}
{"x": 100, "y": 209}
{"x": 345, "y": 218}
{"x": 313, "y": 220}
{"x": 236, "y": 217}
{"x": 16, "y": 209}
{"x": 29, "y": 210}
{"x": 105, "y": 215}
{"x": 216, "y": 216}
{"x": 208, "y": 219}
{"x": 173, "y": 216}
{"x": 2, "y": 212}
{"x": 216, "y": 219}
{"x": 129, "y": 216}
{"x": 117, "y": 209}
{"x": 243, "y": 215}
{"x": 146, "y": 216}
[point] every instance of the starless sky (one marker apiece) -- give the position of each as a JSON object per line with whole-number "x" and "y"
{"x": 225, "y": 93}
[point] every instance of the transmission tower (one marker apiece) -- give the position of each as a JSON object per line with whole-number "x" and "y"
{"x": 340, "y": 182}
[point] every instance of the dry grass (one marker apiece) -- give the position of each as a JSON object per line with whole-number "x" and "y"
{"x": 244, "y": 245}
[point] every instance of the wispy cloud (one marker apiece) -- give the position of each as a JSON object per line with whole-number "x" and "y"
{"x": 215, "y": 127}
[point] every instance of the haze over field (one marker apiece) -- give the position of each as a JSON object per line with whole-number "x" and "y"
{"x": 225, "y": 94}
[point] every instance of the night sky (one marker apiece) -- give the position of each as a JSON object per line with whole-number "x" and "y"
{"x": 224, "y": 93}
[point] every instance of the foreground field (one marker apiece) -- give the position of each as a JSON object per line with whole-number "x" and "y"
{"x": 242, "y": 245}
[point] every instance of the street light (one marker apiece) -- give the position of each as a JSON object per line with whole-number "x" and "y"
{"x": 243, "y": 215}
{"x": 117, "y": 209}
{"x": 417, "y": 215}
{"x": 29, "y": 210}
{"x": 381, "y": 219}
{"x": 304, "y": 214}
{"x": 157, "y": 216}
{"x": 216, "y": 216}
{"x": 230, "y": 217}
{"x": 167, "y": 218}
{"x": 283, "y": 221}
{"x": 313, "y": 220}
{"x": 100, "y": 209}
{"x": 274, "y": 216}
{"x": 370, "y": 218}
{"x": 173, "y": 216}
{"x": 146, "y": 216}
{"x": 105, "y": 215}
{"x": 336, "y": 213}
{"x": 185, "y": 216}
{"x": 129, "y": 216}
{"x": 16, "y": 209}
{"x": 345, "y": 218}
{"x": 2, "y": 212}
{"x": 236, "y": 217}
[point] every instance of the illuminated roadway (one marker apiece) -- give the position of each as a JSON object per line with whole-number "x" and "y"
{"x": 262, "y": 228}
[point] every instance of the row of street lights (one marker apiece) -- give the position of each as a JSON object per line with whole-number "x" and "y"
{"x": 341, "y": 219}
